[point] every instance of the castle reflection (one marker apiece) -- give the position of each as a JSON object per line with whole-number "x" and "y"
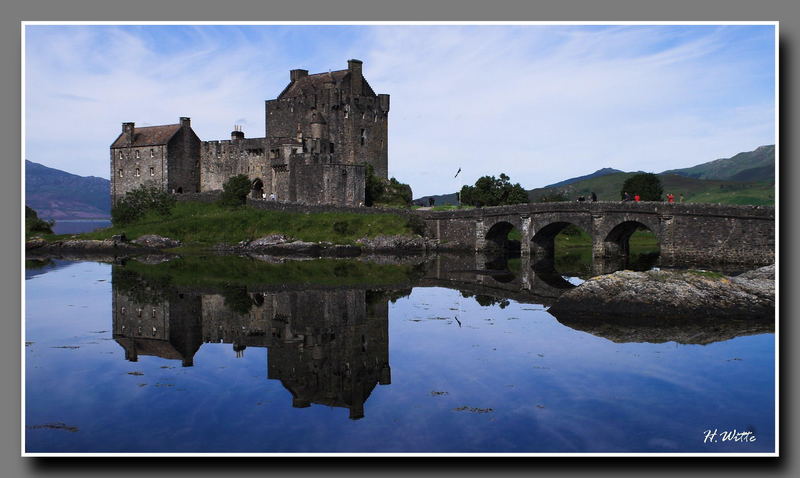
{"x": 329, "y": 345}
{"x": 326, "y": 346}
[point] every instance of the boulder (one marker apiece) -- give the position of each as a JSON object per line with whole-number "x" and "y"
{"x": 393, "y": 243}
{"x": 670, "y": 296}
{"x": 154, "y": 241}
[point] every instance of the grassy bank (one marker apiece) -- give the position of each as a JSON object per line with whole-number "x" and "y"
{"x": 207, "y": 224}
{"x": 234, "y": 271}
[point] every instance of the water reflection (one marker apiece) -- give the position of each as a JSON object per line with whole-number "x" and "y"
{"x": 326, "y": 346}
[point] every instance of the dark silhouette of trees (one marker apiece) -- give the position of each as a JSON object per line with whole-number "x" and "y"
{"x": 646, "y": 185}
{"x": 491, "y": 191}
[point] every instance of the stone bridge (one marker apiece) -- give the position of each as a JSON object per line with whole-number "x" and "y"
{"x": 685, "y": 232}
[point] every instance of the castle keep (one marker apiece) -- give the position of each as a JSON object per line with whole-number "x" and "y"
{"x": 320, "y": 133}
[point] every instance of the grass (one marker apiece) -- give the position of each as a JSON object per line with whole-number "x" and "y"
{"x": 206, "y": 224}
{"x": 234, "y": 271}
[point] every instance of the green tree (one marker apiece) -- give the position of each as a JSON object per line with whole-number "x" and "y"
{"x": 491, "y": 191}
{"x": 388, "y": 192}
{"x": 33, "y": 223}
{"x": 138, "y": 202}
{"x": 235, "y": 191}
{"x": 646, "y": 185}
{"x": 373, "y": 186}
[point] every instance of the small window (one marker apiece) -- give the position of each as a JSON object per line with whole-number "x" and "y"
{"x": 346, "y": 111}
{"x": 152, "y": 154}
{"x": 363, "y": 137}
{"x": 139, "y": 312}
{"x": 138, "y": 173}
{"x": 331, "y": 147}
{"x": 153, "y": 314}
{"x": 152, "y": 171}
{"x": 137, "y": 154}
{"x": 121, "y": 156}
{"x": 122, "y": 311}
{"x": 119, "y": 173}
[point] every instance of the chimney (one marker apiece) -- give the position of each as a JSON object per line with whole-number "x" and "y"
{"x": 186, "y": 122}
{"x": 237, "y": 133}
{"x": 354, "y": 66}
{"x": 295, "y": 75}
{"x": 128, "y": 131}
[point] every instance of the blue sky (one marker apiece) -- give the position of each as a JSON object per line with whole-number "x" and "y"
{"x": 540, "y": 103}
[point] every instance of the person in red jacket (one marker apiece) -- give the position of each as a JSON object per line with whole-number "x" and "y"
{"x": 636, "y": 197}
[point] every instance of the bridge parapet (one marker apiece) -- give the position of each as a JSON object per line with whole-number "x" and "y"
{"x": 685, "y": 232}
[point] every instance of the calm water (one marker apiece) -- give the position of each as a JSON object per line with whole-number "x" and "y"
{"x": 78, "y": 226}
{"x": 119, "y": 359}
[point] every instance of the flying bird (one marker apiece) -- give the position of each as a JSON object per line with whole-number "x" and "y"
{"x": 459, "y": 170}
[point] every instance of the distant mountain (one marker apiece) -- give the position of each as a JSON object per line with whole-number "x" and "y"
{"x": 56, "y": 194}
{"x": 599, "y": 172}
{"x": 756, "y": 165}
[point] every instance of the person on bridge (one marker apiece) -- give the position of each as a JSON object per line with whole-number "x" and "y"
{"x": 626, "y": 197}
{"x": 636, "y": 197}
{"x": 594, "y": 197}
{"x": 670, "y": 198}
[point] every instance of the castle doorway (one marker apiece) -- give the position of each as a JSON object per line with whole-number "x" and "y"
{"x": 257, "y": 190}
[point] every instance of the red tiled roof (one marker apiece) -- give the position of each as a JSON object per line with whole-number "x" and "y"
{"x": 148, "y": 136}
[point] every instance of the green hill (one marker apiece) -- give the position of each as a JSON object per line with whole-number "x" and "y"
{"x": 608, "y": 188}
{"x": 756, "y": 165}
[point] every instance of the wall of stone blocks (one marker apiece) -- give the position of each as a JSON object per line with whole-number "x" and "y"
{"x": 134, "y": 167}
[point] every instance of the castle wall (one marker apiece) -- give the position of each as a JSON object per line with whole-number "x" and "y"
{"x": 221, "y": 160}
{"x": 349, "y": 118}
{"x": 183, "y": 162}
{"x": 135, "y": 166}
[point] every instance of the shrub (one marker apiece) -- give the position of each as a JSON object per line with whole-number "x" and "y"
{"x": 235, "y": 191}
{"x": 35, "y": 224}
{"x": 138, "y": 202}
{"x": 341, "y": 228}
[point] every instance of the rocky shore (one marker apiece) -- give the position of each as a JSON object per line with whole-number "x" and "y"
{"x": 272, "y": 245}
{"x": 667, "y": 296}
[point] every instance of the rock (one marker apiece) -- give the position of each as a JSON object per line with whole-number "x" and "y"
{"x": 269, "y": 240}
{"x": 666, "y": 296}
{"x": 393, "y": 243}
{"x": 154, "y": 241}
{"x": 34, "y": 243}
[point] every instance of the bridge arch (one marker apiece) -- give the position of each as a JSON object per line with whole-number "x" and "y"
{"x": 616, "y": 240}
{"x": 497, "y": 236}
{"x": 543, "y": 240}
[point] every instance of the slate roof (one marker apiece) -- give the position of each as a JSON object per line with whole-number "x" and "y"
{"x": 148, "y": 136}
{"x": 316, "y": 81}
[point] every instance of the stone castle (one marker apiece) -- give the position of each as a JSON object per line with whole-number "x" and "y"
{"x": 320, "y": 133}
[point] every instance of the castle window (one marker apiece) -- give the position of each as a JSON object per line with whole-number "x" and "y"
{"x": 363, "y": 137}
{"x": 153, "y": 314}
{"x": 139, "y": 312}
{"x": 121, "y": 156}
{"x": 152, "y": 171}
{"x": 122, "y": 311}
{"x": 119, "y": 172}
{"x": 331, "y": 147}
{"x": 137, "y": 154}
{"x": 139, "y": 174}
{"x": 152, "y": 154}
{"x": 346, "y": 111}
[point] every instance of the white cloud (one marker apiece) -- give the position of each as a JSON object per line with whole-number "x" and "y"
{"x": 540, "y": 104}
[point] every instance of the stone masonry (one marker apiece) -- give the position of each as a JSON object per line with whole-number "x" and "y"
{"x": 320, "y": 134}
